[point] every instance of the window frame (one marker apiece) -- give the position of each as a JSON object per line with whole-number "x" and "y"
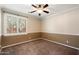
{"x": 5, "y": 24}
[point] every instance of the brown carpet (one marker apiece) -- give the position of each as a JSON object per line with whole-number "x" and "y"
{"x": 39, "y": 47}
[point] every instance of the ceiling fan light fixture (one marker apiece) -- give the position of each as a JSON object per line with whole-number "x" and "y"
{"x": 40, "y": 11}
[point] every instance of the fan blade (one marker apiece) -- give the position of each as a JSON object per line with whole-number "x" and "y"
{"x": 45, "y": 11}
{"x": 34, "y": 6}
{"x": 39, "y": 14}
{"x": 33, "y": 11}
{"x": 45, "y": 6}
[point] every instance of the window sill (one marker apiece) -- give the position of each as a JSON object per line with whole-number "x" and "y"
{"x": 14, "y": 34}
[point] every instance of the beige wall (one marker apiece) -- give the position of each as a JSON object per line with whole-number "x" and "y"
{"x": 0, "y": 22}
{"x": 33, "y": 25}
{"x": 33, "y": 29}
{"x": 65, "y": 23}
{"x": 62, "y": 28}
{"x": 0, "y": 28}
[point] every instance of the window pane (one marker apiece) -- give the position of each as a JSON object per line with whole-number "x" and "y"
{"x": 22, "y": 25}
{"x": 11, "y": 24}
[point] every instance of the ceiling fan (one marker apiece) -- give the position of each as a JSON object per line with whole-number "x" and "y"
{"x": 40, "y": 8}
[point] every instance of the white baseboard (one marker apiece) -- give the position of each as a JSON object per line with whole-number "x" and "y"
{"x": 43, "y": 39}
{"x": 61, "y": 44}
{"x": 19, "y": 43}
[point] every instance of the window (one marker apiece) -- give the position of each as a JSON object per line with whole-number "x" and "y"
{"x": 11, "y": 24}
{"x": 22, "y": 25}
{"x": 14, "y": 24}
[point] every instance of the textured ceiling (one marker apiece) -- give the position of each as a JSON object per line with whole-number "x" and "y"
{"x": 54, "y": 9}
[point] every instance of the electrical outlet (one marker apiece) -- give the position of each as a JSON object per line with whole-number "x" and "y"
{"x": 67, "y": 41}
